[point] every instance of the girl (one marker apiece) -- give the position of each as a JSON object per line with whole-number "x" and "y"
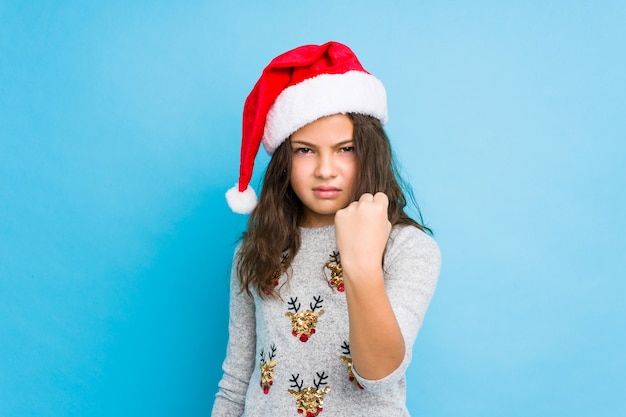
{"x": 332, "y": 278}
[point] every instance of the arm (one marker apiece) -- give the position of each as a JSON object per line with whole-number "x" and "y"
{"x": 239, "y": 362}
{"x": 411, "y": 269}
{"x": 376, "y": 342}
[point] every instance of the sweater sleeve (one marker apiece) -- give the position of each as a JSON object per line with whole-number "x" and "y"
{"x": 411, "y": 267}
{"x": 239, "y": 363}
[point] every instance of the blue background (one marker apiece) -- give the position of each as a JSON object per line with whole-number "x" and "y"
{"x": 119, "y": 133}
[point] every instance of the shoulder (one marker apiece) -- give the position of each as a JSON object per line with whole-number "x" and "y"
{"x": 411, "y": 235}
{"x": 236, "y": 254}
{"x": 407, "y": 240}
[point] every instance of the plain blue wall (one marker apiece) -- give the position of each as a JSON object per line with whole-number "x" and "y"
{"x": 119, "y": 133}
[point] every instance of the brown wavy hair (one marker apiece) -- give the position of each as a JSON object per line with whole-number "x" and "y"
{"x": 273, "y": 235}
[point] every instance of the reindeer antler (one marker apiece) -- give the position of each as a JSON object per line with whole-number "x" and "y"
{"x": 294, "y": 380}
{"x": 292, "y": 302}
{"x": 346, "y": 348}
{"x": 322, "y": 379}
{"x": 318, "y": 303}
{"x": 272, "y": 354}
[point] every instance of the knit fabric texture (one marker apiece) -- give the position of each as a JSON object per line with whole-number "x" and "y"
{"x": 291, "y": 356}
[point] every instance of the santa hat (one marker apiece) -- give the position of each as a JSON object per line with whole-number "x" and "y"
{"x": 295, "y": 89}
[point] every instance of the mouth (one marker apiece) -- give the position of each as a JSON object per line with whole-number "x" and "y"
{"x": 326, "y": 191}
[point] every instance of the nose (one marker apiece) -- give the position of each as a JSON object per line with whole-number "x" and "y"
{"x": 325, "y": 167}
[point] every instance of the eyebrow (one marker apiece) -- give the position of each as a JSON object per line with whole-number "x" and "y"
{"x": 311, "y": 145}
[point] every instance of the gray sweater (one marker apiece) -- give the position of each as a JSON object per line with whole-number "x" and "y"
{"x": 291, "y": 356}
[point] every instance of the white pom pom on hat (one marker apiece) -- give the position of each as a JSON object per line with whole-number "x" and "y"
{"x": 242, "y": 202}
{"x": 295, "y": 89}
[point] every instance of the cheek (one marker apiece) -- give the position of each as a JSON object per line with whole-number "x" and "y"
{"x": 350, "y": 169}
{"x": 295, "y": 173}
{"x": 301, "y": 167}
{"x": 351, "y": 177}
{"x": 298, "y": 175}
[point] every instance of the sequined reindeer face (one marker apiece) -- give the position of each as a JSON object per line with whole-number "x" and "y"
{"x": 267, "y": 369}
{"x": 310, "y": 400}
{"x": 303, "y": 322}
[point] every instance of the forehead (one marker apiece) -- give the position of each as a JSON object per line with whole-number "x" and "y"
{"x": 325, "y": 130}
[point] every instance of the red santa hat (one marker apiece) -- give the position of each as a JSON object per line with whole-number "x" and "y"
{"x": 295, "y": 89}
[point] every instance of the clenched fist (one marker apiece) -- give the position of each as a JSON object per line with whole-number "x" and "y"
{"x": 362, "y": 231}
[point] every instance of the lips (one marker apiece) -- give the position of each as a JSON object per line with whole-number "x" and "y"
{"x": 326, "y": 192}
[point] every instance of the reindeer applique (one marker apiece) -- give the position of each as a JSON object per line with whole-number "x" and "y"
{"x": 336, "y": 272}
{"x": 275, "y": 278}
{"x": 309, "y": 401}
{"x": 303, "y": 322}
{"x": 267, "y": 369}
{"x": 278, "y": 273}
{"x": 348, "y": 361}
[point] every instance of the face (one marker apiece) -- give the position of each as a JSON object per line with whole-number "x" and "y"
{"x": 323, "y": 168}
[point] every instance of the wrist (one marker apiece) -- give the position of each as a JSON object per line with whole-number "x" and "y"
{"x": 369, "y": 280}
{"x": 366, "y": 265}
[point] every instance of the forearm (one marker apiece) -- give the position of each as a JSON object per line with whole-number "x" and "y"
{"x": 376, "y": 342}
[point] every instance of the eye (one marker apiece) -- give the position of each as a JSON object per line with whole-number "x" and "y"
{"x": 302, "y": 150}
{"x": 347, "y": 149}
